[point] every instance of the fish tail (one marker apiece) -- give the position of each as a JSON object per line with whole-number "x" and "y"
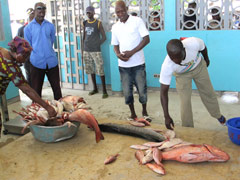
{"x": 99, "y": 136}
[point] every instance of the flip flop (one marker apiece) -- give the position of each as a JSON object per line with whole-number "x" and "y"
{"x": 147, "y": 118}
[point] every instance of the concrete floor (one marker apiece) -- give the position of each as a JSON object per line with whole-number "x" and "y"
{"x": 81, "y": 158}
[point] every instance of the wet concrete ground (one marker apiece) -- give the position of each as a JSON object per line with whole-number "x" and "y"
{"x": 81, "y": 158}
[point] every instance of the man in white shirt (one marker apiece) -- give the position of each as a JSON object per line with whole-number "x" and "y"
{"x": 185, "y": 62}
{"x": 129, "y": 37}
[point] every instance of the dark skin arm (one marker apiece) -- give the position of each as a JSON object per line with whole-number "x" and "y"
{"x": 103, "y": 35}
{"x": 124, "y": 56}
{"x": 164, "y": 101}
{"x": 26, "y": 89}
{"x": 141, "y": 45}
{"x": 119, "y": 54}
{"x": 205, "y": 55}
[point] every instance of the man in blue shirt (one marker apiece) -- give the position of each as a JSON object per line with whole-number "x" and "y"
{"x": 40, "y": 33}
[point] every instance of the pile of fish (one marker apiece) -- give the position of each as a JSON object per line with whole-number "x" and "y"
{"x": 152, "y": 154}
{"x": 68, "y": 108}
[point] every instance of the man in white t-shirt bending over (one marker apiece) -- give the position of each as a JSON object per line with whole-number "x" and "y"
{"x": 129, "y": 37}
{"x": 184, "y": 60}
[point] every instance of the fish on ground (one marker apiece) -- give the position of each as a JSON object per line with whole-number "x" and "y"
{"x": 156, "y": 168}
{"x": 111, "y": 159}
{"x": 196, "y": 153}
{"x": 132, "y": 131}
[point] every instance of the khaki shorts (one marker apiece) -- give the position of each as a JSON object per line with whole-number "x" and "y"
{"x": 93, "y": 63}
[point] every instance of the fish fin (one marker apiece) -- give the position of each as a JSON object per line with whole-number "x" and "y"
{"x": 99, "y": 136}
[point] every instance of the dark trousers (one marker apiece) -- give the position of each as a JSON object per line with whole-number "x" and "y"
{"x": 37, "y": 79}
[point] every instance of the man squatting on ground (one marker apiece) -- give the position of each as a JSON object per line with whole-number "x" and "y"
{"x": 92, "y": 51}
{"x": 10, "y": 71}
{"x": 185, "y": 62}
{"x": 129, "y": 37}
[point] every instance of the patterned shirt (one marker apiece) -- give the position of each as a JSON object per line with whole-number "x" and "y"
{"x": 9, "y": 71}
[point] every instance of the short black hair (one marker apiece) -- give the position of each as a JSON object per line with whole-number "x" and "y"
{"x": 174, "y": 47}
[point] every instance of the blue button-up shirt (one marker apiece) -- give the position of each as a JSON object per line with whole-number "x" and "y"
{"x": 41, "y": 38}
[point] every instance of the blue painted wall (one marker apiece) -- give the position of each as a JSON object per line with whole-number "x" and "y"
{"x": 223, "y": 48}
{"x": 12, "y": 91}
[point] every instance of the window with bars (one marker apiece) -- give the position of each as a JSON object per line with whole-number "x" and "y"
{"x": 208, "y": 14}
{"x": 151, "y": 11}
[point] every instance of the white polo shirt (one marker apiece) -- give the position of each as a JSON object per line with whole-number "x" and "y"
{"x": 128, "y": 35}
{"x": 192, "y": 47}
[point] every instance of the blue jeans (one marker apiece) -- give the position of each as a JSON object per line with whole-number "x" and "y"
{"x": 134, "y": 76}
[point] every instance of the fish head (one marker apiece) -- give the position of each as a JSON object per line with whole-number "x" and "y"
{"x": 219, "y": 155}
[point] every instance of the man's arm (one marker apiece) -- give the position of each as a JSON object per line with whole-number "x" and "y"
{"x": 103, "y": 38}
{"x": 140, "y": 46}
{"x": 205, "y": 55}
{"x": 119, "y": 54}
{"x": 26, "y": 89}
{"x": 164, "y": 101}
{"x": 53, "y": 32}
{"x": 27, "y": 35}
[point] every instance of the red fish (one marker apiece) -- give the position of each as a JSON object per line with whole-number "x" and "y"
{"x": 87, "y": 118}
{"x": 157, "y": 156}
{"x": 139, "y": 155}
{"x": 137, "y": 124}
{"x": 156, "y": 168}
{"x": 72, "y": 99}
{"x": 196, "y": 153}
{"x": 111, "y": 159}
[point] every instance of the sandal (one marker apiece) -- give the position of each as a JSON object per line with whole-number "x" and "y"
{"x": 93, "y": 92}
{"x": 131, "y": 119}
{"x": 105, "y": 95}
{"x": 147, "y": 118}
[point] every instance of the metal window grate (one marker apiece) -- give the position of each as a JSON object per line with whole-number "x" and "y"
{"x": 208, "y": 14}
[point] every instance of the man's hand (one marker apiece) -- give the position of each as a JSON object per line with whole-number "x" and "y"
{"x": 51, "y": 111}
{"x": 207, "y": 62}
{"x": 122, "y": 57}
{"x": 169, "y": 123}
{"x": 127, "y": 54}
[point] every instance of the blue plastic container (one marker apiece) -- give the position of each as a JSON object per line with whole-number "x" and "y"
{"x": 234, "y": 130}
{"x": 54, "y": 133}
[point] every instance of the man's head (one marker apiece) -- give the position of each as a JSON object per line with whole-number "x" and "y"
{"x": 156, "y": 16}
{"x": 192, "y": 6}
{"x": 90, "y": 11}
{"x": 31, "y": 14}
{"x": 176, "y": 51}
{"x": 216, "y": 14}
{"x": 40, "y": 11}
{"x": 121, "y": 11}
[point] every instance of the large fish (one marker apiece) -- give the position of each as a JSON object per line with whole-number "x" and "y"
{"x": 87, "y": 118}
{"x": 196, "y": 153}
{"x": 132, "y": 131}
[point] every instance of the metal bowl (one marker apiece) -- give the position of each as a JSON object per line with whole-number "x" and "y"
{"x": 54, "y": 133}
